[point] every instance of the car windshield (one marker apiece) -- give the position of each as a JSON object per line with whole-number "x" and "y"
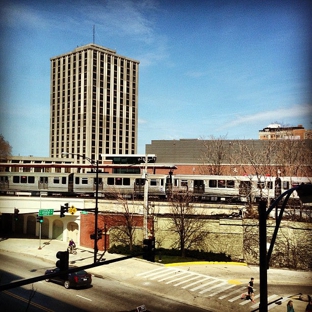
{"x": 81, "y": 273}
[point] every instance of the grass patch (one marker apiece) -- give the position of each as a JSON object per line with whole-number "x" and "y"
{"x": 167, "y": 256}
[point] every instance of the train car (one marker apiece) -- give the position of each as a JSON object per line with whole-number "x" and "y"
{"x": 127, "y": 185}
{"x": 211, "y": 187}
{"x": 234, "y": 188}
{"x": 33, "y": 183}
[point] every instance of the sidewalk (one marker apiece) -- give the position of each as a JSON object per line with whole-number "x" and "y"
{"x": 238, "y": 273}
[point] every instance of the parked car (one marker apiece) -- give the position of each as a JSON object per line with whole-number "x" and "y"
{"x": 73, "y": 280}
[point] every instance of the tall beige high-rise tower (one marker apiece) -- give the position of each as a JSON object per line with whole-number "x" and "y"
{"x": 94, "y": 103}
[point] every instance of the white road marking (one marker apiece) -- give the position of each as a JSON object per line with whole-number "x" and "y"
{"x": 83, "y": 297}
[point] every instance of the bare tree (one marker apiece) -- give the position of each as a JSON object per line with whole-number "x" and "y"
{"x": 125, "y": 224}
{"x": 214, "y": 155}
{"x": 5, "y": 148}
{"x": 185, "y": 222}
{"x": 294, "y": 157}
{"x": 257, "y": 161}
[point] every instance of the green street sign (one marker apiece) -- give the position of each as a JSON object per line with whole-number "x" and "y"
{"x": 84, "y": 212}
{"x": 46, "y": 212}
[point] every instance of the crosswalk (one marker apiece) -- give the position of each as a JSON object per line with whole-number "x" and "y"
{"x": 205, "y": 285}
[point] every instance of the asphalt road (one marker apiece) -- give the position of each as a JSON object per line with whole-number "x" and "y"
{"x": 105, "y": 294}
{"x": 124, "y": 285}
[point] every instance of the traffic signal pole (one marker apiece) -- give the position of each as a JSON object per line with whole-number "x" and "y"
{"x": 305, "y": 194}
{"x": 39, "y": 235}
{"x": 96, "y": 210}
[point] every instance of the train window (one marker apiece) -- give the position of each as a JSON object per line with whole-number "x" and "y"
{"x": 4, "y": 179}
{"x": 126, "y": 181}
{"x": 245, "y": 184}
{"x": 270, "y": 185}
{"x": 110, "y": 181}
{"x": 43, "y": 179}
{"x": 31, "y": 179}
{"x": 212, "y": 183}
{"x": 285, "y": 185}
{"x": 139, "y": 182}
{"x": 84, "y": 180}
{"x": 56, "y": 180}
{"x": 118, "y": 181}
{"x": 16, "y": 179}
{"x": 23, "y": 179}
{"x": 64, "y": 180}
{"x": 184, "y": 183}
{"x": 221, "y": 183}
{"x": 77, "y": 180}
{"x": 260, "y": 185}
{"x": 153, "y": 182}
{"x": 230, "y": 183}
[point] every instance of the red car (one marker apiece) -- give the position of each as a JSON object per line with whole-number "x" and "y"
{"x": 73, "y": 280}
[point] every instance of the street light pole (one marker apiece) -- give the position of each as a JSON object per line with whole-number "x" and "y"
{"x": 145, "y": 208}
{"x": 96, "y": 210}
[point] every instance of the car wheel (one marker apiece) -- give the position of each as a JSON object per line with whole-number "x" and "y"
{"x": 66, "y": 284}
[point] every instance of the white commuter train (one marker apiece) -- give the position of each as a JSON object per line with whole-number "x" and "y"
{"x": 206, "y": 188}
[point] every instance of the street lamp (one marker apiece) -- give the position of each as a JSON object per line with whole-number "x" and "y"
{"x": 145, "y": 201}
{"x": 96, "y": 210}
{"x": 304, "y": 191}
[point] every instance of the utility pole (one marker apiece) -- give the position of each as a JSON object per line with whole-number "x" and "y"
{"x": 145, "y": 208}
{"x": 96, "y": 211}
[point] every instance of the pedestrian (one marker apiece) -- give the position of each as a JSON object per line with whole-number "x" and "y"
{"x": 71, "y": 245}
{"x": 290, "y": 306}
{"x": 250, "y": 286}
{"x": 309, "y": 306}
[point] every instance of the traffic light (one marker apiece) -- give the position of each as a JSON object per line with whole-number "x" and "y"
{"x": 63, "y": 210}
{"x": 16, "y": 211}
{"x": 149, "y": 249}
{"x": 62, "y": 263}
{"x": 99, "y": 236}
{"x": 305, "y": 193}
{"x": 39, "y": 219}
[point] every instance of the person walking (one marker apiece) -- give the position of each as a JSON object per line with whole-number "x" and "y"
{"x": 250, "y": 286}
{"x": 290, "y": 306}
{"x": 250, "y": 291}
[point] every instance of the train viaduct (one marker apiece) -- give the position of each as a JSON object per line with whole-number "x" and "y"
{"x": 224, "y": 230}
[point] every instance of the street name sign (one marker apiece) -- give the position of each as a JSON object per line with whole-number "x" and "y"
{"x": 46, "y": 212}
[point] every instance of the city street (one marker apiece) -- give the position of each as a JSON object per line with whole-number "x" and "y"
{"x": 124, "y": 285}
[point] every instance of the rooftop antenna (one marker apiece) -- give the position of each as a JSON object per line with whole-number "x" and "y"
{"x": 93, "y": 33}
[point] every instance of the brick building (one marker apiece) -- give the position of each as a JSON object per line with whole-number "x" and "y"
{"x": 234, "y": 157}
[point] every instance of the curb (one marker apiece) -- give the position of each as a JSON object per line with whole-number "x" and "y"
{"x": 204, "y": 263}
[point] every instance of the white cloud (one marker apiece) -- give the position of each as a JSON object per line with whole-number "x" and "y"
{"x": 270, "y": 116}
{"x": 17, "y": 14}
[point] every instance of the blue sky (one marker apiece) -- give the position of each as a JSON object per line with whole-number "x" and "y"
{"x": 207, "y": 68}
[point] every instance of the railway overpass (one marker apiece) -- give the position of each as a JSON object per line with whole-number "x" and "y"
{"x": 29, "y": 206}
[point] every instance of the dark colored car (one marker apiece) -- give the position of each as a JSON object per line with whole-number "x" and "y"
{"x": 73, "y": 280}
